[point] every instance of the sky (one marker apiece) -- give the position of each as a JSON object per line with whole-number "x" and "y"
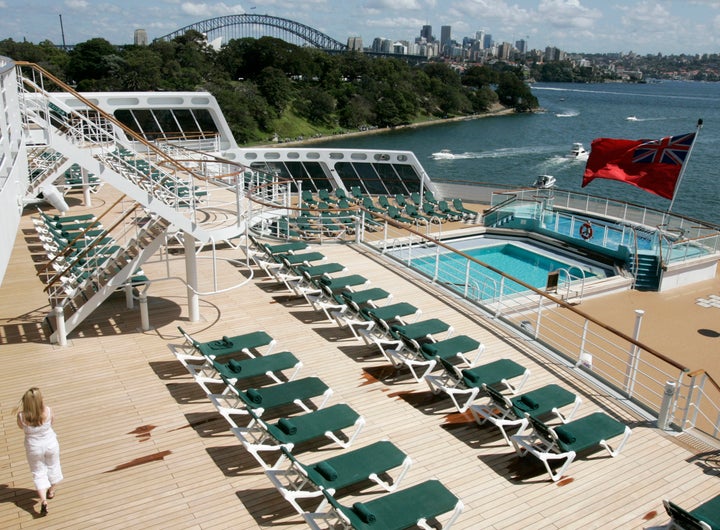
{"x": 590, "y": 26}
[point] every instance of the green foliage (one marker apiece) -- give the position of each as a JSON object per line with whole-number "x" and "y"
{"x": 514, "y": 93}
{"x": 267, "y": 86}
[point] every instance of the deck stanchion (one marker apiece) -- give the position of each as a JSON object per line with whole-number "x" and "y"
{"x": 634, "y": 358}
{"x": 665, "y": 414}
{"x": 144, "y": 314}
{"x": 60, "y": 331}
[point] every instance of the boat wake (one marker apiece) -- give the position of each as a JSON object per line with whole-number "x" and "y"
{"x": 511, "y": 152}
{"x": 455, "y": 156}
{"x": 635, "y": 118}
{"x": 567, "y": 114}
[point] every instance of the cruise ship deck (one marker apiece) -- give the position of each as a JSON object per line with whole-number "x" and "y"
{"x": 142, "y": 446}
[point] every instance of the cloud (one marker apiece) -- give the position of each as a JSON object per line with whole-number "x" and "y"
{"x": 568, "y": 14}
{"x": 210, "y": 10}
{"x": 650, "y": 16}
{"x": 76, "y": 4}
{"x": 384, "y": 5}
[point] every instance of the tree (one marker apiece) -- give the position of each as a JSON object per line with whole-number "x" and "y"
{"x": 274, "y": 85}
{"x": 513, "y": 92}
{"x": 89, "y": 60}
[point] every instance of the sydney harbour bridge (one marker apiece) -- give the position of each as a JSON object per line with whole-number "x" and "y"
{"x": 241, "y": 26}
{"x": 230, "y": 27}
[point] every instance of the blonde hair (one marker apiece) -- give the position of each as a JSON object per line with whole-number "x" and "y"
{"x": 32, "y": 407}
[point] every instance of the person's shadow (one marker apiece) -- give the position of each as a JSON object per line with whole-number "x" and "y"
{"x": 23, "y": 498}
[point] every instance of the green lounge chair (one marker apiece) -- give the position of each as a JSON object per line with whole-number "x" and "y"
{"x": 459, "y": 207}
{"x": 430, "y": 197}
{"x": 353, "y": 302}
{"x": 247, "y": 343}
{"x": 412, "y": 212}
{"x": 424, "y": 355}
{"x": 368, "y": 204}
{"x": 357, "y": 193}
{"x": 261, "y": 437}
{"x": 341, "y": 195}
{"x": 379, "y": 332}
{"x": 234, "y": 370}
{"x": 504, "y": 412}
{"x": 351, "y": 468}
{"x": 430, "y": 211}
{"x": 394, "y": 214}
{"x": 324, "y": 196}
{"x": 325, "y": 300}
{"x": 306, "y": 197}
{"x": 416, "y": 199}
{"x": 411, "y": 337}
{"x": 384, "y": 202}
{"x": 399, "y": 510}
{"x": 234, "y": 401}
{"x": 452, "y": 215}
{"x": 468, "y": 382}
{"x": 566, "y": 441}
{"x": 704, "y": 517}
{"x": 400, "y": 200}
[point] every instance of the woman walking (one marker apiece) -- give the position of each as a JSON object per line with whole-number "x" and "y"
{"x": 41, "y": 445}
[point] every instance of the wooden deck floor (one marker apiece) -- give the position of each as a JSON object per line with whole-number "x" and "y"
{"x": 143, "y": 447}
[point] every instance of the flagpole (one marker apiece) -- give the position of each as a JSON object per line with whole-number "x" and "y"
{"x": 682, "y": 170}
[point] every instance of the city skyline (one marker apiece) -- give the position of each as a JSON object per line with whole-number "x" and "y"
{"x": 589, "y": 26}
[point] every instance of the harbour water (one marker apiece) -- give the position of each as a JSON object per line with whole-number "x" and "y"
{"x": 514, "y": 149}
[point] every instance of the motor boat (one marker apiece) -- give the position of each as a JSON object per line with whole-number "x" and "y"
{"x": 444, "y": 154}
{"x": 544, "y": 182}
{"x": 631, "y": 118}
{"x": 578, "y": 152}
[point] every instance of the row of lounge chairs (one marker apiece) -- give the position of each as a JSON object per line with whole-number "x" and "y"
{"x": 79, "y": 247}
{"x": 334, "y": 214}
{"x": 447, "y": 362}
{"x": 391, "y": 327}
{"x": 235, "y": 363}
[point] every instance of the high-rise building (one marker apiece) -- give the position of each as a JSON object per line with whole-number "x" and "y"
{"x": 140, "y": 37}
{"x": 445, "y": 39}
{"x": 426, "y": 33}
{"x": 480, "y": 38}
{"x": 355, "y": 44}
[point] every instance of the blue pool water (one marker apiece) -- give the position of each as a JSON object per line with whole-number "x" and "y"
{"x": 518, "y": 261}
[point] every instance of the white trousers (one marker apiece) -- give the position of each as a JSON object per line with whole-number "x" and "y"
{"x": 44, "y": 461}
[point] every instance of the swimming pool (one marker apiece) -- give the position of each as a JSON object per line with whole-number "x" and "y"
{"x": 520, "y": 259}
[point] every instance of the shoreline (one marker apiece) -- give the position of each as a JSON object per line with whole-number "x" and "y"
{"x": 496, "y": 110}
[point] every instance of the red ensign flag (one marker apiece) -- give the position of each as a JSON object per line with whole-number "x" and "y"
{"x": 652, "y": 165}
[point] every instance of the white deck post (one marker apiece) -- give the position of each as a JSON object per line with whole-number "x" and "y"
{"x": 85, "y": 179}
{"x": 144, "y": 313}
{"x": 191, "y": 277}
{"x": 664, "y": 415}
{"x": 60, "y": 331}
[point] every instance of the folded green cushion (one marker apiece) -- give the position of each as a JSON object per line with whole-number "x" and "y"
{"x": 365, "y": 515}
{"x": 287, "y": 426}
{"x": 564, "y": 436}
{"x": 470, "y": 376}
{"x": 529, "y": 402}
{"x": 254, "y": 396}
{"x": 326, "y": 470}
{"x": 235, "y": 366}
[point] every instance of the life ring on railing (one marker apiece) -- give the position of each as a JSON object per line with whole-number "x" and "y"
{"x": 586, "y": 231}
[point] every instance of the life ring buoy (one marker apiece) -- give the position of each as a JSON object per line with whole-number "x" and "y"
{"x": 586, "y": 231}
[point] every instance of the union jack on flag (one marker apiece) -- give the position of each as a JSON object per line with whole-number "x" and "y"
{"x": 669, "y": 150}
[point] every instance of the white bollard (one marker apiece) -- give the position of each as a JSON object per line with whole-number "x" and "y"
{"x": 664, "y": 415}
{"x": 144, "y": 315}
{"x": 60, "y": 330}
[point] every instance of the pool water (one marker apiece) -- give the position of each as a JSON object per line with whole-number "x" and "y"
{"x": 514, "y": 260}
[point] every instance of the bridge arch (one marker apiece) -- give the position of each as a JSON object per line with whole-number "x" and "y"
{"x": 227, "y": 26}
